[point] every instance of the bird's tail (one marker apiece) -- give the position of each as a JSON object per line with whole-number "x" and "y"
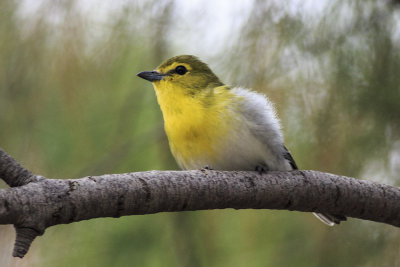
{"x": 329, "y": 219}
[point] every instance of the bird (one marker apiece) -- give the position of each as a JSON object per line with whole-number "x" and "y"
{"x": 210, "y": 124}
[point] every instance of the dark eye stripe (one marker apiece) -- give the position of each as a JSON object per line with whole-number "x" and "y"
{"x": 170, "y": 72}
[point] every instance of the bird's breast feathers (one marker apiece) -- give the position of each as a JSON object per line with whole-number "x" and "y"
{"x": 235, "y": 129}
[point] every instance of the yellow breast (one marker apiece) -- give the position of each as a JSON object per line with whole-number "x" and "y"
{"x": 195, "y": 125}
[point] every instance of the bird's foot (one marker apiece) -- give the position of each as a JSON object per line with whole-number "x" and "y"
{"x": 207, "y": 168}
{"x": 261, "y": 169}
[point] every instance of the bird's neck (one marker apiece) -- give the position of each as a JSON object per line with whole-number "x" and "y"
{"x": 181, "y": 107}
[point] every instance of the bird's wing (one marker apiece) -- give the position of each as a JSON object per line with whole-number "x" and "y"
{"x": 263, "y": 123}
{"x": 289, "y": 157}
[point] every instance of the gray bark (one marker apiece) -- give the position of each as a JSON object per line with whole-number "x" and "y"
{"x": 34, "y": 203}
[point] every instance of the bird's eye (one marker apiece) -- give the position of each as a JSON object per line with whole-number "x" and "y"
{"x": 181, "y": 70}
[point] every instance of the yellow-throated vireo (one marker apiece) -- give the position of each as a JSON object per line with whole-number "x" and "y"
{"x": 211, "y": 124}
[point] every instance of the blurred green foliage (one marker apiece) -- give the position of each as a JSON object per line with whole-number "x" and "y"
{"x": 71, "y": 105}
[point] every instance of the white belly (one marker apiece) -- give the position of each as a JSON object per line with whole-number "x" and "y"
{"x": 241, "y": 150}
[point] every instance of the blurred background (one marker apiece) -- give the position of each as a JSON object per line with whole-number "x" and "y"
{"x": 71, "y": 106}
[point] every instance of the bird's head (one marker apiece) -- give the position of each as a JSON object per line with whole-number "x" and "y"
{"x": 184, "y": 74}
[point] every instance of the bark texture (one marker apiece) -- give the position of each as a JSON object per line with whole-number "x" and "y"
{"x": 35, "y": 203}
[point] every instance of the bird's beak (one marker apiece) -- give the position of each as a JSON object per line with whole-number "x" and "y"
{"x": 151, "y": 76}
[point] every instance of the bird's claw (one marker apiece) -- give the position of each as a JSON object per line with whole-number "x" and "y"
{"x": 261, "y": 169}
{"x": 207, "y": 168}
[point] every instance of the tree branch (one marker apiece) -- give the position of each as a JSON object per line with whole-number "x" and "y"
{"x": 35, "y": 203}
